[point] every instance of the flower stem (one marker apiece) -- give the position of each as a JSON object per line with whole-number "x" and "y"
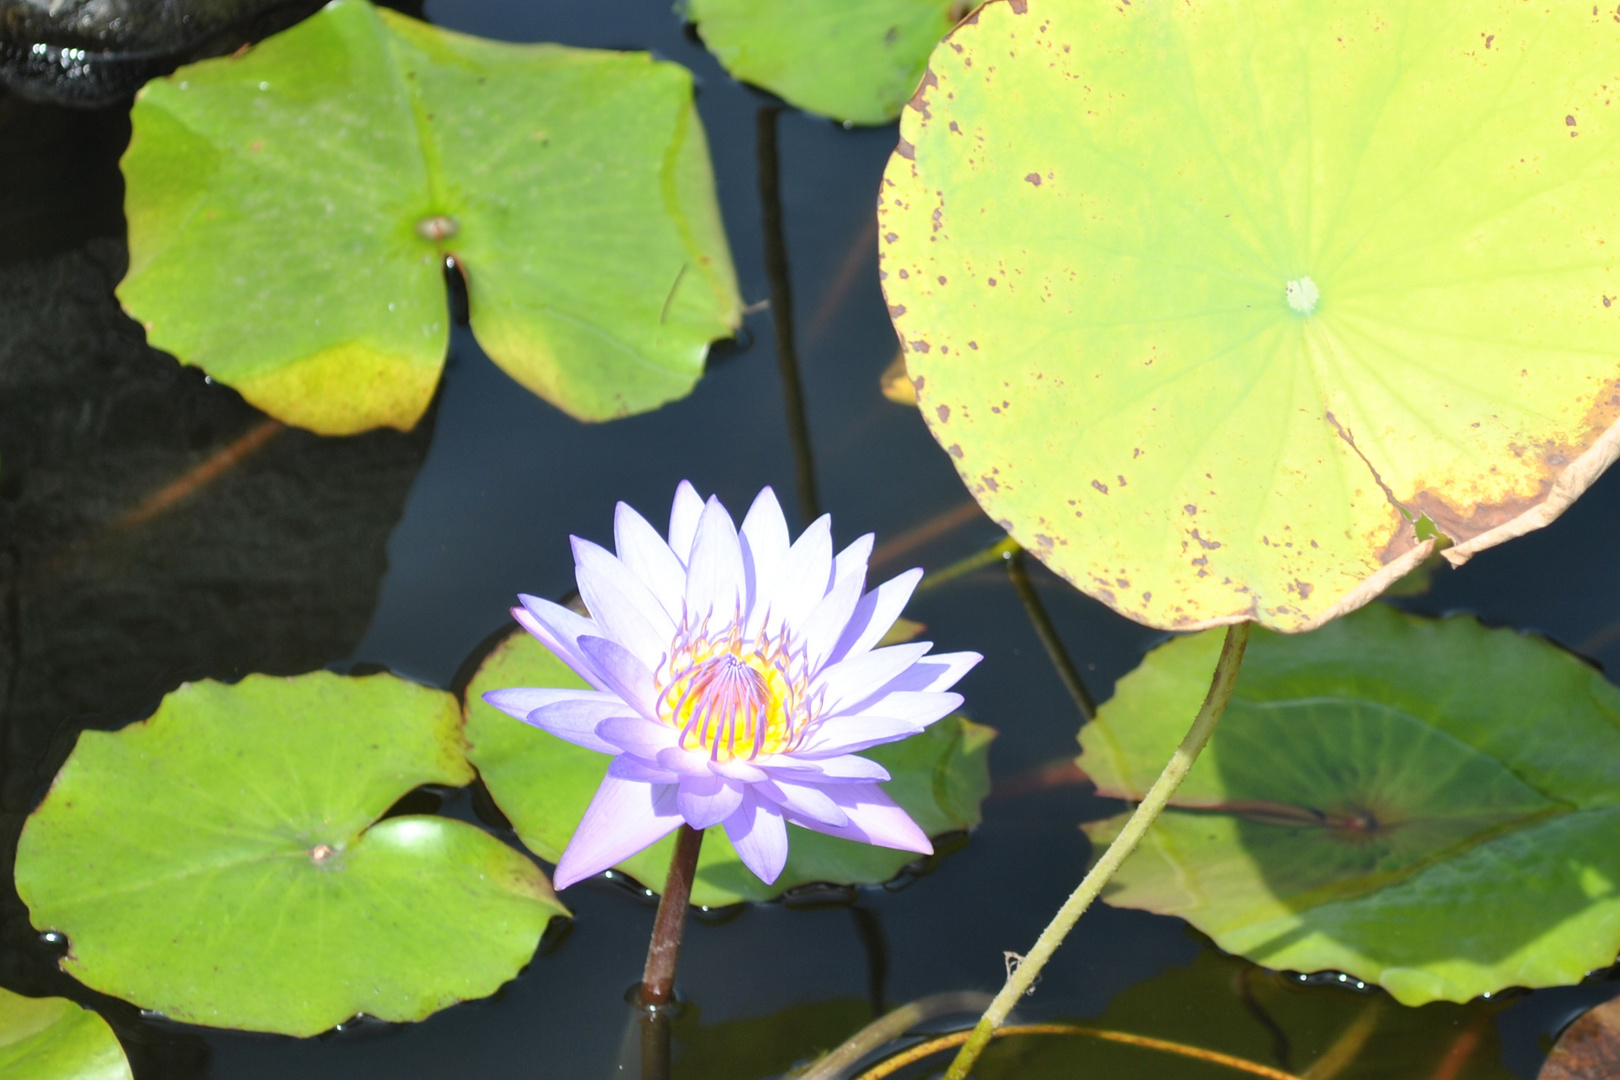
{"x": 1021, "y": 978}
{"x": 658, "y": 981}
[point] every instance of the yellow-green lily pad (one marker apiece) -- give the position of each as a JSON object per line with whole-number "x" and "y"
{"x": 852, "y": 60}
{"x": 1427, "y": 805}
{"x": 54, "y": 1039}
{"x": 290, "y": 210}
{"x": 223, "y": 863}
{"x": 543, "y": 784}
{"x": 1224, "y": 310}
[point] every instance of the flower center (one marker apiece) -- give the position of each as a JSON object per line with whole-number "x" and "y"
{"x": 731, "y": 699}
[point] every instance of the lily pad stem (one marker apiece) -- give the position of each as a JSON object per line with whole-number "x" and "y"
{"x": 658, "y": 981}
{"x": 1021, "y": 978}
{"x": 1042, "y": 622}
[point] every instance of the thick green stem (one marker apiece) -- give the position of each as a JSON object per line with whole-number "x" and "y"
{"x": 1021, "y": 978}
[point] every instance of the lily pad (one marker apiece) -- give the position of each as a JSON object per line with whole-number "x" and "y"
{"x": 852, "y": 60}
{"x": 1428, "y": 805}
{"x": 290, "y": 210}
{"x": 54, "y": 1039}
{"x": 1224, "y": 311}
{"x": 222, "y": 862}
{"x": 543, "y": 785}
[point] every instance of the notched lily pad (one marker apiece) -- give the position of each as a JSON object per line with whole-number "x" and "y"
{"x": 1225, "y": 311}
{"x": 290, "y": 210}
{"x": 54, "y": 1039}
{"x": 222, "y": 862}
{"x": 543, "y": 785}
{"x": 853, "y": 60}
{"x": 1428, "y": 805}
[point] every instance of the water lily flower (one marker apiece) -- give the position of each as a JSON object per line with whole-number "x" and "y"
{"x": 736, "y": 674}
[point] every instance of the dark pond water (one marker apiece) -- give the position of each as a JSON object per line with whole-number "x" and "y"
{"x": 405, "y": 550}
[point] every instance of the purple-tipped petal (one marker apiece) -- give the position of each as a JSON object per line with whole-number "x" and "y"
{"x": 650, "y": 559}
{"x": 622, "y": 673}
{"x": 567, "y": 714}
{"x": 622, "y": 615}
{"x": 803, "y": 799}
{"x": 888, "y": 719}
{"x": 874, "y": 818}
{"x": 630, "y": 767}
{"x": 714, "y": 576}
{"x": 759, "y": 834}
{"x": 685, "y": 762}
{"x": 625, "y": 817}
{"x": 559, "y": 630}
{"x": 873, "y": 616}
{"x": 842, "y": 769}
{"x": 764, "y": 537}
{"x": 805, "y": 577}
{"x": 736, "y": 769}
{"x": 707, "y": 800}
{"x": 855, "y": 680}
{"x": 637, "y": 735}
{"x": 683, "y": 520}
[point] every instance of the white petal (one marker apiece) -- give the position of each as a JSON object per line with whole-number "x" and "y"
{"x": 736, "y": 769}
{"x": 805, "y": 576}
{"x": 714, "y": 576}
{"x": 842, "y": 769}
{"x": 875, "y": 614}
{"x": 759, "y": 834}
{"x": 567, "y": 714}
{"x": 636, "y": 735}
{"x": 845, "y": 684}
{"x": 889, "y": 719}
{"x": 649, "y": 558}
{"x": 821, "y": 631}
{"x": 764, "y": 547}
{"x": 622, "y": 673}
{"x": 630, "y": 767}
{"x": 803, "y": 799}
{"x": 932, "y": 673}
{"x": 625, "y": 817}
{"x": 683, "y": 520}
{"x": 559, "y": 630}
{"x": 874, "y": 818}
{"x": 685, "y": 762}
{"x": 707, "y": 800}
{"x": 620, "y": 606}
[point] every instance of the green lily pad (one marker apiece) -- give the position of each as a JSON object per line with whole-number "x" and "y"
{"x": 1428, "y": 805}
{"x": 1223, "y": 1004}
{"x": 290, "y": 210}
{"x": 54, "y": 1039}
{"x": 223, "y": 863}
{"x": 852, "y": 60}
{"x": 543, "y": 784}
{"x": 1224, "y": 310}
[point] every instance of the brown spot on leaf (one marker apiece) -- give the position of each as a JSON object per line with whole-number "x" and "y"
{"x": 919, "y": 100}
{"x": 1207, "y": 545}
{"x": 906, "y": 150}
{"x": 955, "y": 451}
{"x": 1034, "y": 178}
{"x": 944, "y": 413}
{"x": 1020, "y": 7}
{"x": 1303, "y": 588}
{"x": 1100, "y": 486}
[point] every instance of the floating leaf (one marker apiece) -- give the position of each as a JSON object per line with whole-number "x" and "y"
{"x": 1428, "y": 805}
{"x": 290, "y": 210}
{"x": 853, "y": 60}
{"x": 222, "y": 862}
{"x": 1225, "y": 1005}
{"x": 1223, "y": 310}
{"x": 54, "y": 1039}
{"x": 543, "y": 785}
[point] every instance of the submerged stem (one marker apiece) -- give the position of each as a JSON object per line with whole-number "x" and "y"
{"x": 777, "y": 272}
{"x": 1021, "y": 978}
{"x": 658, "y": 981}
{"x": 1042, "y": 622}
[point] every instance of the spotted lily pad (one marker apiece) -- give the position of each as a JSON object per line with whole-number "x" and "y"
{"x": 543, "y": 784}
{"x": 290, "y": 210}
{"x": 223, "y": 863}
{"x": 853, "y": 60}
{"x": 1428, "y": 805}
{"x": 54, "y": 1039}
{"x": 1226, "y": 310}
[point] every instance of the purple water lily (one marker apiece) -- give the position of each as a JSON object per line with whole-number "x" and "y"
{"x": 736, "y": 676}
